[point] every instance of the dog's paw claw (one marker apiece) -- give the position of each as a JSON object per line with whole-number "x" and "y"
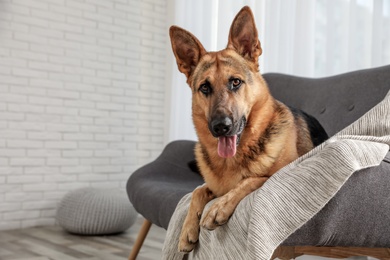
{"x": 186, "y": 247}
{"x": 188, "y": 239}
{"x": 210, "y": 225}
{"x": 217, "y": 215}
{"x": 210, "y": 222}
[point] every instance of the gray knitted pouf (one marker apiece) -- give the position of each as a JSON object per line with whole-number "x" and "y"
{"x": 92, "y": 211}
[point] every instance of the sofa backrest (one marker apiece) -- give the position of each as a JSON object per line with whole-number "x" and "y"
{"x": 335, "y": 101}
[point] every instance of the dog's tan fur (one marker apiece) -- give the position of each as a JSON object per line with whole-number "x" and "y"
{"x": 271, "y": 139}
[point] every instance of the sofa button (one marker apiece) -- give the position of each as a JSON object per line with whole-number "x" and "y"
{"x": 351, "y": 107}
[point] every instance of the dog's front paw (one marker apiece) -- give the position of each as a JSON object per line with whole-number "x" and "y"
{"x": 218, "y": 214}
{"x": 188, "y": 237}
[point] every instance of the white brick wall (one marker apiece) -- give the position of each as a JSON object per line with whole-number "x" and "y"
{"x": 81, "y": 99}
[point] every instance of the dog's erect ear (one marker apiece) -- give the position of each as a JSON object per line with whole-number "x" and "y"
{"x": 187, "y": 49}
{"x": 243, "y": 35}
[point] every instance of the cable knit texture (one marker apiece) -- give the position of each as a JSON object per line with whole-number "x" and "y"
{"x": 292, "y": 196}
{"x": 92, "y": 211}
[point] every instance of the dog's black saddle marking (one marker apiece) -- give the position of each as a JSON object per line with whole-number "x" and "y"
{"x": 318, "y": 134}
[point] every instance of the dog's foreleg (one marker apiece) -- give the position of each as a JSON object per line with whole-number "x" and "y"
{"x": 190, "y": 230}
{"x": 220, "y": 212}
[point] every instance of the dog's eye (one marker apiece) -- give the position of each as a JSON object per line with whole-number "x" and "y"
{"x": 205, "y": 88}
{"x": 235, "y": 83}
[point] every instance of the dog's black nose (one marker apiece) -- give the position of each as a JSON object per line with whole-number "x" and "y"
{"x": 221, "y": 126}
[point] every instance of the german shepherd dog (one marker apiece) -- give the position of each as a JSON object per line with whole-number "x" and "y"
{"x": 245, "y": 135}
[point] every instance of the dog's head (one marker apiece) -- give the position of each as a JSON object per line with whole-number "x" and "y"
{"x": 225, "y": 85}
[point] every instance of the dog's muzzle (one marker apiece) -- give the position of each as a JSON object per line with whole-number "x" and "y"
{"x": 228, "y": 134}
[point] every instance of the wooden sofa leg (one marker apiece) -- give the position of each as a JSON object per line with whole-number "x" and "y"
{"x": 285, "y": 253}
{"x": 140, "y": 239}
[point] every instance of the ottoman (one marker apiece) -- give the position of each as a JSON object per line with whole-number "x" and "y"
{"x": 93, "y": 211}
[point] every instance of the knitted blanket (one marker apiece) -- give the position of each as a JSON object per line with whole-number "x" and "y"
{"x": 291, "y": 197}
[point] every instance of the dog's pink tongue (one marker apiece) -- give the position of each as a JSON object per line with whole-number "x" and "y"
{"x": 227, "y": 146}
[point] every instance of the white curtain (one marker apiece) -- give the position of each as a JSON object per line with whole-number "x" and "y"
{"x": 310, "y": 38}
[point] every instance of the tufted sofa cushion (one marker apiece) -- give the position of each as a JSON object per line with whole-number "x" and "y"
{"x": 335, "y": 101}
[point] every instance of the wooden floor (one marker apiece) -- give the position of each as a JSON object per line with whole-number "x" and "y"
{"x": 53, "y": 243}
{"x": 44, "y": 243}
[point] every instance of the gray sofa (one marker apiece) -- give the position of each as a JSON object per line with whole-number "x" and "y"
{"x": 357, "y": 216}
